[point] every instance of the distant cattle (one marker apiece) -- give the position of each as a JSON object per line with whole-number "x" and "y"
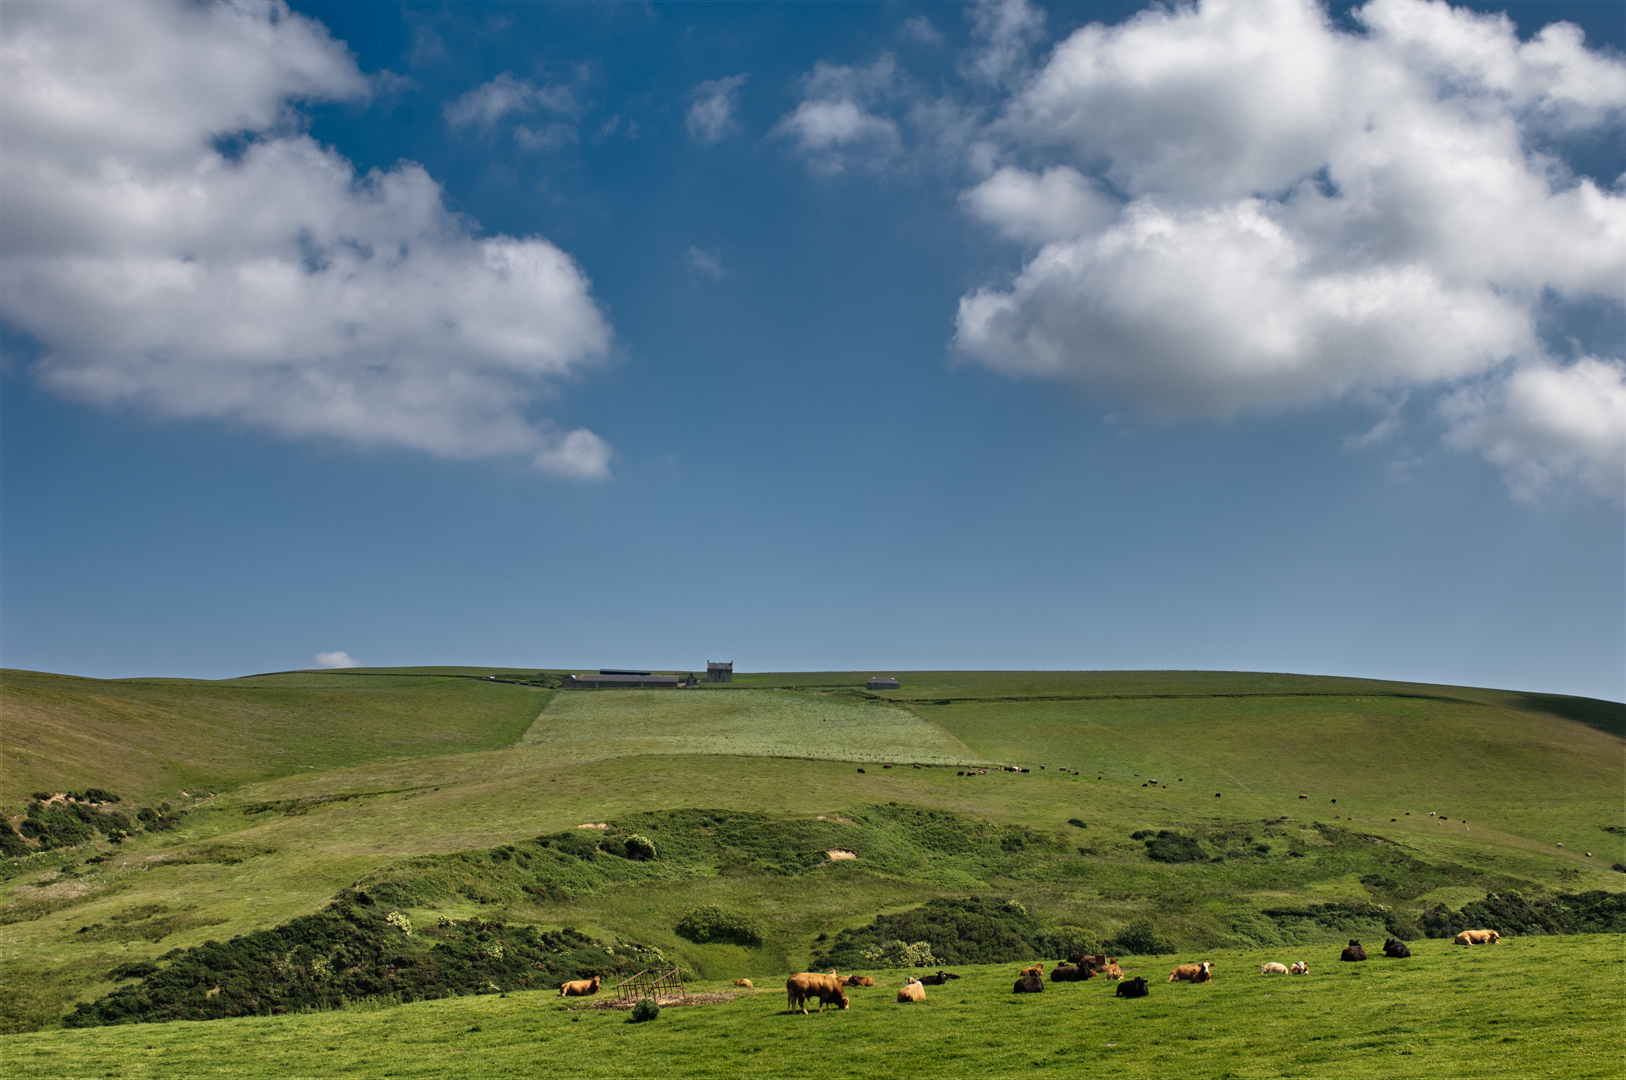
{"x": 1132, "y": 988}
{"x": 1197, "y": 973}
{"x": 1478, "y": 937}
{"x": 1070, "y": 973}
{"x": 1273, "y": 969}
{"x": 1300, "y": 968}
{"x": 743, "y": 982}
{"x": 1395, "y": 950}
{"x": 804, "y": 987}
{"x": 1353, "y": 951}
{"x": 860, "y": 980}
{"x": 939, "y": 979}
{"x": 912, "y": 991}
{"x": 1029, "y": 983}
{"x": 581, "y": 987}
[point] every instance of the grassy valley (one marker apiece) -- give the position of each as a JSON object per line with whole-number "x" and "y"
{"x": 447, "y": 796}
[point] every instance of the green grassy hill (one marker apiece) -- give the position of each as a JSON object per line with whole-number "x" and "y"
{"x": 428, "y": 785}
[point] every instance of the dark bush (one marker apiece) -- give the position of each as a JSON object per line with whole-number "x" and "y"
{"x": 644, "y": 1011}
{"x": 1172, "y": 847}
{"x": 1077, "y": 824}
{"x": 1140, "y": 938}
{"x": 705, "y": 924}
{"x": 138, "y": 970}
{"x": 960, "y": 931}
{"x": 11, "y": 845}
{"x": 1595, "y": 912}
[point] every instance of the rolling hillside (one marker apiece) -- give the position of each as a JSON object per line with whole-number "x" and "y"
{"x": 427, "y": 785}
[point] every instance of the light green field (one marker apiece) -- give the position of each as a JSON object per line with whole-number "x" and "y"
{"x": 1524, "y": 1008}
{"x": 589, "y": 725}
{"x": 328, "y": 778}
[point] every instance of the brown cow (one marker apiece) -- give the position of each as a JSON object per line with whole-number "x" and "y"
{"x": 1111, "y": 970}
{"x": 1070, "y": 973}
{"x": 860, "y": 980}
{"x": 1036, "y": 969}
{"x": 743, "y": 982}
{"x": 1353, "y": 951}
{"x": 912, "y": 991}
{"x": 1086, "y": 960}
{"x": 802, "y": 987}
{"x": 1273, "y": 969}
{"x": 1478, "y": 937}
{"x": 581, "y": 987}
{"x": 1029, "y": 983}
{"x": 1196, "y": 973}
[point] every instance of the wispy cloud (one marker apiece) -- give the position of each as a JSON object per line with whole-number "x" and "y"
{"x": 709, "y": 263}
{"x": 339, "y": 659}
{"x": 711, "y": 117}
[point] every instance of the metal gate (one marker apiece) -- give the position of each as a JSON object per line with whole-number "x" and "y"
{"x": 651, "y": 984}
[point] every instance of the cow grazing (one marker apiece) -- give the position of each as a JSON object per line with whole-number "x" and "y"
{"x": 1395, "y": 950}
{"x": 1353, "y": 951}
{"x": 1300, "y": 968}
{"x": 581, "y": 987}
{"x": 1029, "y": 984}
{"x": 743, "y": 982}
{"x": 1273, "y": 969}
{"x": 940, "y": 979}
{"x": 1197, "y": 973}
{"x": 803, "y": 987}
{"x": 860, "y": 980}
{"x": 1132, "y": 988}
{"x": 912, "y": 990}
{"x": 1478, "y": 937}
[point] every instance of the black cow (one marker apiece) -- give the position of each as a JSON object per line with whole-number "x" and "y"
{"x": 1132, "y": 988}
{"x": 1029, "y": 984}
{"x": 1069, "y": 973}
{"x": 939, "y": 979}
{"x": 1395, "y": 950}
{"x": 1353, "y": 951}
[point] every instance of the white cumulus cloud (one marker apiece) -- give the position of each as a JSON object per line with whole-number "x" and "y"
{"x": 157, "y": 267}
{"x": 841, "y": 118}
{"x": 712, "y": 115}
{"x": 1240, "y": 206}
{"x": 503, "y": 96}
{"x": 338, "y": 659}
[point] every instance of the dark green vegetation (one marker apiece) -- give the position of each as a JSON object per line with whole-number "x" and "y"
{"x": 443, "y": 795}
{"x": 351, "y": 951}
{"x": 1537, "y": 1007}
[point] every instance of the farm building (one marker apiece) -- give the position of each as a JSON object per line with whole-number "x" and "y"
{"x": 607, "y": 679}
{"x": 882, "y": 682}
{"x": 719, "y": 672}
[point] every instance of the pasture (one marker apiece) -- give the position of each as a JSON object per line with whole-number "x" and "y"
{"x": 587, "y": 725}
{"x": 1527, "y": 1007}
{"x": 327, "y": 780}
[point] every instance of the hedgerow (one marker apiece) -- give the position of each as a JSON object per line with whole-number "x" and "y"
{"x": 1596, "y": 912}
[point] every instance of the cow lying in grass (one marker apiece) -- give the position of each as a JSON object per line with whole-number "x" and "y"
{"x": 1273, "y": 969}
{"x": 581, "y": 987}
{"x": 1029, "y": 983}
{"x": 1196, "y": 973}
{"x": 912, "y": 991}
{"x": 1478, "y": 937}
{"x": 1353, "y": 951}
{"x": 1300, "y": 968}
{"x": 1132, "y": 988}
{"x": 804, "y": 987}
{"x": 1395, "y": 950}
{"x": 940, "y": 979}
{"x": 860, "y": 980}
{"x": 743, "y": 982}
{"x": 1069, "y": 973}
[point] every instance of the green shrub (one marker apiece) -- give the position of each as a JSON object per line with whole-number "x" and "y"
{"x": 1173, "y": 847}
{"x": 1075, "y": 941}
{"x": 644, "y": 1011}
{"x": 11, "y": 845}
{"x": 1076, "y": 823}
{"x": 957, "y": 931}
{"x": 706, "y": 924}
{"x": 1595, "y": 912}
{"x": 898, "y": 954}
{"x": 1140, "y": 938}
{"x": 640, "y": 848}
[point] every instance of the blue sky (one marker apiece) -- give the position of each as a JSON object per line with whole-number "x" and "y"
{"x": 873, "y": 337}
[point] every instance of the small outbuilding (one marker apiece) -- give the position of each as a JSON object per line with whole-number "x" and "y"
{"x": 882, "y": 682}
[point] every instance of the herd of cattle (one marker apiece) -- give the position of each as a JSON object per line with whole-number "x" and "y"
{"x": 831, "y": 988}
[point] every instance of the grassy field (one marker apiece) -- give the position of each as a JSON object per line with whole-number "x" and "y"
{"x": 1497, "y": 1011}
{"x": 329, "y": 779}
{"x": 587, "y": 725}
{"x": 149, "y": 738}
